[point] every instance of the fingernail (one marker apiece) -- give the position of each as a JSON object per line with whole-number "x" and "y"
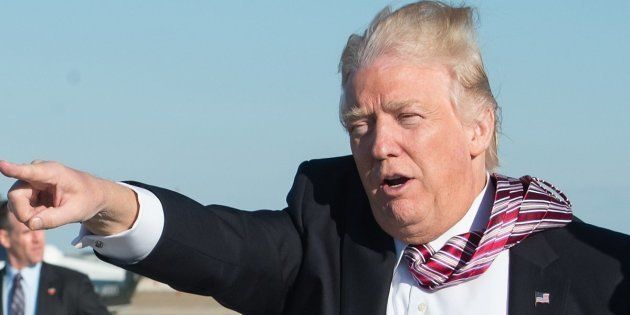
{"x": 36, "y": 223}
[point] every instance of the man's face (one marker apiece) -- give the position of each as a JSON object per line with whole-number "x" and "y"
{"x": 411, "y": 150}
{"x": 24, "y": 247}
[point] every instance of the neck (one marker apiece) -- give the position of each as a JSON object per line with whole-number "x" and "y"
{"x": 16, "y": 263}
{"x": 480, "y": 176}
{"x": 477, "y": 183}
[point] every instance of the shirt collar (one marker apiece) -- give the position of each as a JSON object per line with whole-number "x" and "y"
{"x": 30, "y": 275}
{"x": 475, "y": 219}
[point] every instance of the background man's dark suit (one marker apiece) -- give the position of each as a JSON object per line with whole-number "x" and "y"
{"x": 64, "y": 292}
{"x": 325, "y": 254}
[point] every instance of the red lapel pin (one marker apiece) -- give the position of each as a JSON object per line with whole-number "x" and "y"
{"x": 52, "y": 291}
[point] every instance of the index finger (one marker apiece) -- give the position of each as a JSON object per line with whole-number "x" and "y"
{"x": 27, "y": 172}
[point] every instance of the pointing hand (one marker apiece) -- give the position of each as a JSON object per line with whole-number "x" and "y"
{"x": 48, "y": 194}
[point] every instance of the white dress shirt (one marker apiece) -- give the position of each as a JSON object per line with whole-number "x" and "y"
{"x": 30, "y": 285}
{"x": 486, "y": 294}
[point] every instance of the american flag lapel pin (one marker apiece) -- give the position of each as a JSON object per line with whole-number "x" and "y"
{"x": 541, "y": 297}
{"x": 52, "y": 291}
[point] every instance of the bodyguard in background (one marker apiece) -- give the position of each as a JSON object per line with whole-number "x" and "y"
{"x": 30, "y": 286}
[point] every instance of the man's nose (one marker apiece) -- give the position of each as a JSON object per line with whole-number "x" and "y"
{"x": 38, "y": 236}
{"x": 385, "y": 142}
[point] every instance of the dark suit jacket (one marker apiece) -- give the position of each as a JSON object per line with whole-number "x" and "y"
{"x": 325, "y": 254}
{"x": 64, "y": 292}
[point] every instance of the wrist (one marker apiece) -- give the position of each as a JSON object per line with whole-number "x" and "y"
{"x": 118, "y": 210}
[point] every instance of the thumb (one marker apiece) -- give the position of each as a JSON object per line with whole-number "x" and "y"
{"x": 52, "y": 217}
{"x": 20, "y": 202}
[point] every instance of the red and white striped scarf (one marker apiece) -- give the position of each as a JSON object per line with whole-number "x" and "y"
{"x": 521, "y": 207}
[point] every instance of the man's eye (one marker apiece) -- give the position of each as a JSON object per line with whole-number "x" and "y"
{"x": 409, "y": 118}
{"x": 358, "y": 129}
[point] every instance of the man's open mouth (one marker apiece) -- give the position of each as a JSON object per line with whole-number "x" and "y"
{"x": 395, "y": 181}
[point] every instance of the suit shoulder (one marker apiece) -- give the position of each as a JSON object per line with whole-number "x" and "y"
{"x": 595, "y": 235}
{"x": 325, "y": 186}
{"x": 329, "y": 169}
{"x": 328, "y": 175}
{"x": 587, "y": 240}
{"x": 64, "y": 272}
{"x": 338, "y": 162}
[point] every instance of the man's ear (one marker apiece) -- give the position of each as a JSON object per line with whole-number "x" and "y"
{"x": 481, "y": 132}
{"x": 4, "y": 238}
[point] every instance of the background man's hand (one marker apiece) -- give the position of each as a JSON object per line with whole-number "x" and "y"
{"x": 48, "y": 194}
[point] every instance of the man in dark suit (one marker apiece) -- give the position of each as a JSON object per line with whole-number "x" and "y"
{"x": 414, "y": 222}
{"x": 43, "y": 288}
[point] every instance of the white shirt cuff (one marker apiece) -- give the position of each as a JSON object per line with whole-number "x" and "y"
{"x": 135, "y": 244}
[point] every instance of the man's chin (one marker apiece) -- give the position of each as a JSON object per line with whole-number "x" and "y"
{"x": 409, "y": 232}
{"x": 397, "y": 231}
{"x": 36, "y": 260}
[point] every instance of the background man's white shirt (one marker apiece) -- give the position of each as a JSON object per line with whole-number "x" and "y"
{"x": 30, "y": 285}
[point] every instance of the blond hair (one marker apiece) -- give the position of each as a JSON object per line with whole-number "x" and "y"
{"x": 422, "y": 31}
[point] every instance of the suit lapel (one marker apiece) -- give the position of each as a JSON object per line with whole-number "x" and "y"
{"x": 534, "y": 270}
{"x": 48, "y": 292}
{"x": 368, "y": 259}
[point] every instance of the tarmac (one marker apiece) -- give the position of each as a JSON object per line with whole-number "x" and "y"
{"x": 175, "y": 303}
{"x": 154, "y": 298}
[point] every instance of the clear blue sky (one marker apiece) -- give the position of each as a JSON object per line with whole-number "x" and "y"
{"x": 221, "y": 100}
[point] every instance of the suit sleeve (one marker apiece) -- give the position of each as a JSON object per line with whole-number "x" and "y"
{"x": 246, "y": 260}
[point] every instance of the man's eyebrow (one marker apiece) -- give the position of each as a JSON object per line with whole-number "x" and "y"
{"x": 354, "y": 113}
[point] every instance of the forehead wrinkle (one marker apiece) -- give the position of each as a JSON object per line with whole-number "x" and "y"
{"x": 394, "y": 106}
